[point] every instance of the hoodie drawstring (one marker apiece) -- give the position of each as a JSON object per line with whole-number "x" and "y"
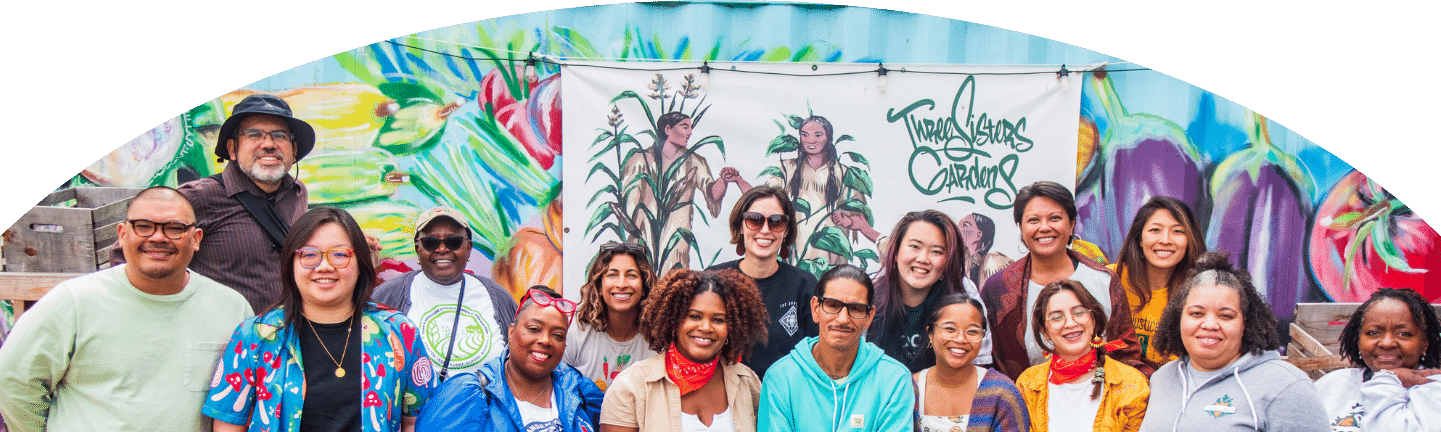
{"x": 836, "y": 412}
{"x": 1254, "y": 420}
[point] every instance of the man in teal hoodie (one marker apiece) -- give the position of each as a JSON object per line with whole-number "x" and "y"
{"x": 837, "y": 382}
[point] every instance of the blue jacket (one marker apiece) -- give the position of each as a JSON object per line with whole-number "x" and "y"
{"x": 482, "y": 402}
{"x": 798, "y": 396}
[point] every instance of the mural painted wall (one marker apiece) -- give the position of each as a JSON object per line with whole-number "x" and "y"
{"x": 451, "y": 117}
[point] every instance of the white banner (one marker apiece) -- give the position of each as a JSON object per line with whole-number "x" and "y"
{"x": 862, "y": 149}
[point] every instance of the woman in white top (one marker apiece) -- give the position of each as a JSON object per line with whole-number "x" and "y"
{"x": 955, "y": 393}
{"x": 605, "y": 336}
{"x": 1394, "y": 340}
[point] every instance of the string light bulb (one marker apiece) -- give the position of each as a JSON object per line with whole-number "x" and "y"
{"x": 705, "y": 74}
{"x": 1064, "y": 76}
{"x": 881, "y": 81}
{"x": 529, "y": 72}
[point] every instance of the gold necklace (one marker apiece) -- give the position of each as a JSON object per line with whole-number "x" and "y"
{"x": 339, "y": 371}
{"x": 532, "y": 398}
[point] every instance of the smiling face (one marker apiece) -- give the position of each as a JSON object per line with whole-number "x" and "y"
{"x": 813, "y": 138}
{"x": 703, "y": 330}
{"x": 1163, "y": 241}
{"x": 949, "y": 335}
{"x": 1073, "y": 338}
{"x": 443, "y": 265}
{"x": 537, "y": 340}
{"x": 620, "y": 285}
{"x": 840, "y": 331}
{"x": 264, "y": 160}
{"x": 678, "y": 135}
{"x": 922, "y": 256}
{"x": 763, "y": 244}
{"x": 326, "y": 287}
{"x": 157, "y": 256}
{"x": 1212, "y": 326}
{"x": 1045, "y": 227}
{"x": 1390, "y": 336}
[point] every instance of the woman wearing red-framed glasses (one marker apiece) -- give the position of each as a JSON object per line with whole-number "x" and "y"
{"x": 527, "y": 388}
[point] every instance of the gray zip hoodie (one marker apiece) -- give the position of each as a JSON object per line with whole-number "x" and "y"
{"x": 1253, "y": 393}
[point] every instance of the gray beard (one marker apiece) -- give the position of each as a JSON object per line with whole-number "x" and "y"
{"x": 261, "y": 175}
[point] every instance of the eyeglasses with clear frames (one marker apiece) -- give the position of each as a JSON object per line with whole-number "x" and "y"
{"x": 146, "y": 228}
{"x": 1079, "y": 314}
{"x": 972, "y": 333}
{"x": 337, "y": 257}
{"x": 278, "y": 136}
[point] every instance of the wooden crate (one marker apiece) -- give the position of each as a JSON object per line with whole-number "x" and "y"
{"x": 70, "y": 231}
{"x": 1316, "y": 336}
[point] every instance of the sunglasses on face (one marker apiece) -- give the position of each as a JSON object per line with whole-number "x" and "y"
{"x": 431, "y": 243}
{"x": 855, "y": 310}
{"x": 338, "y": 257}
{"x": 630, "y": 248}
{"x": 777, "y": 222}
{"x": 566, "y": 307}
{"x": 146, "y": 228}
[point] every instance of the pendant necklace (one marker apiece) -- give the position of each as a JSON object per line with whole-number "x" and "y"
{"x": 339, "y": 371}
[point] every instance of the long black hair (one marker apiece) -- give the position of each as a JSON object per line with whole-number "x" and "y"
{"x": 833, "y": 190}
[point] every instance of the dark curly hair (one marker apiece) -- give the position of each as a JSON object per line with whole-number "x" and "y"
{"x": 592, "y": 311}
{"x": 746, "y": 315}
{"x": 1213, "y": 268}
{"x": 744, "y": 205}
{"x": 1422, "y": 313}
{"x": 1132, "y": 262}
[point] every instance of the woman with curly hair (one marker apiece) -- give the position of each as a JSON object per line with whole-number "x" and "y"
{"x": 1229, "y": 376}
{"x": 1078, "y": 382}
{"x": 703, "y": 323}
{"x": 603, "y": 339}
{"x": 1162, "y": 245}
{"x": 1394, "y": 340}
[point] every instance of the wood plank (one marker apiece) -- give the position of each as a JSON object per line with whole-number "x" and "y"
{"x": 1310, "y": 346}
{"x": 1324, "y": 363}
{"x": 30, "y": 286}
{"x": 51, "y": 239}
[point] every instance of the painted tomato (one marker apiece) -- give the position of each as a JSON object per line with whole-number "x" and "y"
{"x": 1363, "y": 239}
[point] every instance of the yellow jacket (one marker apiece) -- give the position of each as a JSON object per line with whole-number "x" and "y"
{"x": 1123, "y": 400}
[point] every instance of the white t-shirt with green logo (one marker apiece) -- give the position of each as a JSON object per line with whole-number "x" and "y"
{"x": 432, "y": 309}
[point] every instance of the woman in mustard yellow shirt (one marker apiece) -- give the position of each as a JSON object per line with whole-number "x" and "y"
{"x": 1160, "y": 249}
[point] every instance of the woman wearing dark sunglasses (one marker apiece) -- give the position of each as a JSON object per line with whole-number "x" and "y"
{"x": 526, "y": 389}
{"x": 323, "y": 358}
{"x": 462, "y": 317}
{"x": 604, "y": 337}
{"x": 703, "y": 323}
{"x": 763, "y": 228}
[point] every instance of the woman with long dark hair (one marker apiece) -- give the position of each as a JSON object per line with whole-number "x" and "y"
{"x": 923, "y": 261}
{"x": 604, "y": 340}
{"x": 817, "y": 177}
{"x": 324, "y": 357}
{"x": 1161, "y": 247}
{"x": 1046, "y": 214}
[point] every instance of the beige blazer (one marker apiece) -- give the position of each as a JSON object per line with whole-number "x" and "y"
{"x": 643, "y": 398}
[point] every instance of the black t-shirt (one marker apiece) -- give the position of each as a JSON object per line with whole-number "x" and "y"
{"x": 787, "y": 295}
{"x": 332, "y": 404}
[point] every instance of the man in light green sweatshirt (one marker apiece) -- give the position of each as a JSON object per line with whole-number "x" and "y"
{"x": 132, "y": 347}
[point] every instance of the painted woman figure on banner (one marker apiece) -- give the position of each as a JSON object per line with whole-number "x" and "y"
{"x": 818, "y": 178}
{"x": 674, "y": 204}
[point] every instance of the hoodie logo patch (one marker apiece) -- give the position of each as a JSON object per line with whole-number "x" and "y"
{"x": 858, "y": 421}
{"x": 1351, "y": 421}
{"x": 1221, "y": 408}
{"x": 788, "y": 320}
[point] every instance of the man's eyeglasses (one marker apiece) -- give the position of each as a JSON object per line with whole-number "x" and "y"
{"x": 754, "y": 221}
{"x": 430, "y": 244}
{"x": 338, "y": 257}
{"x": 1079, "y": 314}
{"x": 146, "y": 228}
{"x": 278, "y": 136}
{"x": 970, "y": 334}
{"x": 855, "y": 310}
{"x": 542, "y": 299}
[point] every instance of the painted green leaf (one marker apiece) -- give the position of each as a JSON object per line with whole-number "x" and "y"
{"x": 600, "y": 215}
{"x": 404, "y": 91}
{"x": 844, "y": 137}
{"x": 857, "y": 158}
{"x": 858, "y": 180}
{"x": 833, "y": 240}
{"x": 607, "y": 189}
{"x": 602, "y": 168}
{"x": 783, "y": 143}
{"x": 414, "y": 128}
{"x": 772, "y": 170}
{"x": 803, "y": 206}
{"x": 867, "y": 254}
{"x": 859, "y": 206}
{"x": 796, "y": 121}
{"x": 814, "y": 266}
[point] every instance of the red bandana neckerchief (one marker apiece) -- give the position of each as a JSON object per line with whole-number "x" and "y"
{"x": 686, "y": 374}
{"x": 1066, "y": 371}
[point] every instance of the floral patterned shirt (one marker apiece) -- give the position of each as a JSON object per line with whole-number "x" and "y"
{"x": 260, "y": 383}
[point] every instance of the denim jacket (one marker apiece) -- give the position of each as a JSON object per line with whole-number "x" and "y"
{"x": 482, "y": 402}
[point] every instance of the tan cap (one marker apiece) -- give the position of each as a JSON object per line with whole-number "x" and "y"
{"x": 426, "y": 217}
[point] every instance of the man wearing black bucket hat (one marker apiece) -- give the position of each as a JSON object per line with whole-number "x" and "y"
{"x": 246, "y": 210}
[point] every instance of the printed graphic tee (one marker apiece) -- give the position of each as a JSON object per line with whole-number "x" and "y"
{"x": 537, "y": 419}
{"x": 432, "y": 309}
{"x": 599, "y": 357}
